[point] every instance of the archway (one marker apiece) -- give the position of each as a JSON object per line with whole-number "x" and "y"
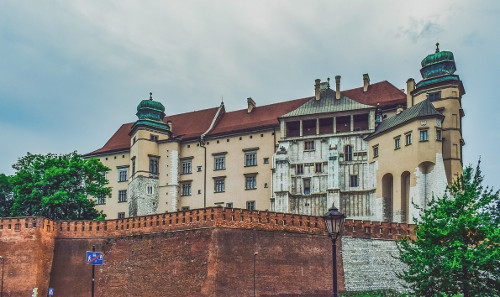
{"x": 405, "y": 197}
{"x": 387, "y": 190}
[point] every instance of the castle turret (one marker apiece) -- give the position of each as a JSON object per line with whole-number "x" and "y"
{"x": 145, "y": 135}
{"x": 444, "y": 89}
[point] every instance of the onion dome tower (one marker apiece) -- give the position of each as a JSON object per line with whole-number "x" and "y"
{"x": 438, "y": 67}
{"x": 151, "y": 113}
{"x": 444, "y": 89}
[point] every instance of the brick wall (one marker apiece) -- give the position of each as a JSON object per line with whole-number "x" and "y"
{"x": 205, "y": 252}
{"x": 27, "y": 245}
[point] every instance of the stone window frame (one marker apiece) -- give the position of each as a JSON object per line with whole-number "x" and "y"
{"x": 186, "y": 188}
{"x": 353, "y": 181}
{"x": 397, "y": 142}
{"x": 348, "y": 152}
{"x": 122, "y": 196}
{"x": 219, "y": 184}
{"x": 251, "y": 205}
{"x": 122, "y": 173}
{"x": 250, "y": 156}
{"x": 424, "y": 134}
{"x": 309, "y": 145}
{"x": 250, "y": 181}
{"x": 186, "y": 165}
{"x": 375, "y": 151}
{"x": 408, "y": 138}
{"x": 219, "y": 161}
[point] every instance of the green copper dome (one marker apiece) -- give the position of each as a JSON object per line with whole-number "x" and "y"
{"x": 151, "y": 113}
{"x": 438, "y": 64}
{"x": 438, "y": 67}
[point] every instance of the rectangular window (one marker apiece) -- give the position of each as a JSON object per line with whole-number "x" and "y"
{"x": 150, "y": 190}
{"x": 153, "y": 165}
{"x": 133, "y": 166}
{"x": 266, "y": 160}
{"x": 300, "y": 169}
{"x": 309, "y": 145}
{"x": 408, "y": 138}
{"x": 397, "y": 143}
{"x": 122, "y": 174}
{"x": 219, "y": 185}
{"x": 186, "y": 167}
{"x": 186, "y": 189}
{"x": 307, "y": 186}
{"x": 375, "y": 151}
{"x": 122, "y": 196}
{"x": 434, "y": 96}
{"x": 220, "y": 162}
{"x": 153, "y": 137}
{"x": 251, "y": 205}
{"x": 423, "y": 135}
{"x": 251, "y": 182}
{"x": 121, "y": 215}
{"x": 229, "y": 205}
{"x": 348, "y": 153}
{"x": 319, "y": 167}
{"x": 185, "y": 208}
{"x": 251, "y": 158}
{"x": 101, "y": 201}
{"x": 438, "y": 135}
{"x": 354, "y": 181}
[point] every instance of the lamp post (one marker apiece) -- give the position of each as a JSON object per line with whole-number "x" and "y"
{"x": 3, "y": 265}
{"x": 254, "y": 257}
{"x": 334, "y": 220}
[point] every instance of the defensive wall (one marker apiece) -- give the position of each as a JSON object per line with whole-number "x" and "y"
{"x": 204, "y": 252}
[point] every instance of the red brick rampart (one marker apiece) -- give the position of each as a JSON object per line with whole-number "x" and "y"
{"x": 203, "y": 252}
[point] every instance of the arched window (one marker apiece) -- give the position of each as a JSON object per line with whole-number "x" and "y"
{"x": 348, "y": 153}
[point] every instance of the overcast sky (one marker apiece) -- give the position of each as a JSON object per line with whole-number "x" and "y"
{"x": 71, "y": 72}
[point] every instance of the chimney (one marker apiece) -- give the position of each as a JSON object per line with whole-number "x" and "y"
{"x": 169, "y": 124}
{"x": 410, "y": 86}
{"x": 317, "y": 92}
{"x": 337, "y": 87}
{"x": 251, "y": 104}
{"x": 366, "y": 82}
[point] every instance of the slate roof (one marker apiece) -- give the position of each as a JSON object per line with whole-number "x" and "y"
{"x": 327, "y": 104}
{"x": 422, "y": 109}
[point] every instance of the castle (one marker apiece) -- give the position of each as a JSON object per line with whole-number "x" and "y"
{"x": 374, "y": 151}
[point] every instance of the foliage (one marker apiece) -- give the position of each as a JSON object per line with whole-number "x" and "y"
{"x": 57, "y": 186}
{"x": 456, "y": 250}
{"x": 5, "y": 195}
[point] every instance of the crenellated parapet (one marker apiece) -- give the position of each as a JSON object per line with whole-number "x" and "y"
{"x": 203, "y": 218}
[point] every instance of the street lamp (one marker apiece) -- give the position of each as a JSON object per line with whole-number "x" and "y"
{"x": 334, "y": 220}
{"x": 254, "y": 257}
{"x": 3, "y": 265}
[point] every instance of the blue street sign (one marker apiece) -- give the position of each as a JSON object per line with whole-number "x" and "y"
{"x": 51, "y": 292}
{"x": 94, "y": 258}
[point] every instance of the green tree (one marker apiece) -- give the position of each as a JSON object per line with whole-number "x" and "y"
{"x": 457, "y": 244}
{"x": 57, "y": 186}
{"x": 5, "y": 195}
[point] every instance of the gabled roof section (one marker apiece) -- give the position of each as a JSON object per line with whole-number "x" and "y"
{"x": 260, "y": 117}
{"x": 383, "y": 93}
{"x": 422, "y": 109}
{"x": 327, "y": 104}
{"x": 188, "y": 125}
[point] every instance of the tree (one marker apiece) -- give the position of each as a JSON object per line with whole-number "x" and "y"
{"x": 58, "y": 186}
{"x": 457, "y": 245}
{"x": 5, "y": 195}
